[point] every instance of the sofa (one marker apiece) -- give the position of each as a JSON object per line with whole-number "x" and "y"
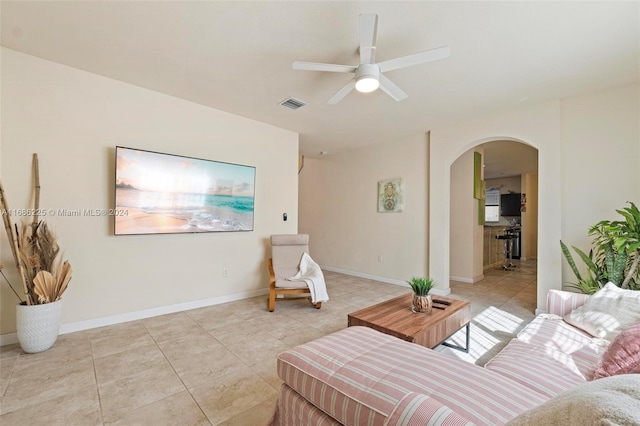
{"x": 359, "y": 376}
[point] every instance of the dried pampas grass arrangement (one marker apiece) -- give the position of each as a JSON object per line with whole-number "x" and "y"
{"x": 44, "y": 274}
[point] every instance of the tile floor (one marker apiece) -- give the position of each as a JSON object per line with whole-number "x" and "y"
{"x": 216, "y": 365}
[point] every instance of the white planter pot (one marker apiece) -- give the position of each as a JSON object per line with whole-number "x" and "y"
{"x": 38, "y": 325}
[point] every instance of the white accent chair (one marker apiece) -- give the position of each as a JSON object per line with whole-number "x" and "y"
{"x": 286, "y": 252}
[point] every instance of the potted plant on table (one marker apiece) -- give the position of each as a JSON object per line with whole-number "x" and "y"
{"x": 44, "y": 275}
{"x": 421, "y": 286}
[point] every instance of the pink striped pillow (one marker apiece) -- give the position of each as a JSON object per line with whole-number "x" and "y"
{"x": 622, "y": 356}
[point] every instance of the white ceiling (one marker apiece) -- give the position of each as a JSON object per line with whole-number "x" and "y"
{"x": 508, "y": 158}
{"x": 236, "y": 56}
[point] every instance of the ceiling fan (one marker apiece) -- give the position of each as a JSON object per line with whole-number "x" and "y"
{"x": 369, "y": 74}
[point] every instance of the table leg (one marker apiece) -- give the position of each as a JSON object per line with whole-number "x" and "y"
{"x": 467, "y": 341}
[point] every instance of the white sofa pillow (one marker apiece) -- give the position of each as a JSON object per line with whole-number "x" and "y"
{"x": 607, "y": 312}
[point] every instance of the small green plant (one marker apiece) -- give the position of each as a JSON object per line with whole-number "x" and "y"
{"x": 421, "y": 286}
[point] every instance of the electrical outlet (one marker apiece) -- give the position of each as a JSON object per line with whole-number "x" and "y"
{"x": 380, "y": 258}
{"x": 225, "y": 272}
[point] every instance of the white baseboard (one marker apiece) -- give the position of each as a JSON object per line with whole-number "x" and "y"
{"x": 435, "y": 290}
{"x": 363, "y": 275}
{"x": 10, "y": 338}
{"x": 441, "y": 291}
{"x": 467, "y": 280}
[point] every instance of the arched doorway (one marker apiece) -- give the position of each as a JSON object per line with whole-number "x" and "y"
{"x": 509, "y": 172}
{"x": 522, "y": 125}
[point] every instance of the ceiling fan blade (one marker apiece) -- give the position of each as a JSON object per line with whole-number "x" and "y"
{"x": 343, "y": 92}
{"x": 390, "y": 88}
{"x": 368, "y": 31}
{"x": 316, "y": 66}
{"x": 415, "y": 59}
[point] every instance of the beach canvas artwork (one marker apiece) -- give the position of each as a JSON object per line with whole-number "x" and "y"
{"x": 160, "y": 193}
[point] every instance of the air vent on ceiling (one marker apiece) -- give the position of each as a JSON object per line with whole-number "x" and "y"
{"x": 293, "y": 103}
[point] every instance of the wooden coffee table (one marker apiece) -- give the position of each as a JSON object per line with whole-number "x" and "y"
{"x": 395, "y": 317}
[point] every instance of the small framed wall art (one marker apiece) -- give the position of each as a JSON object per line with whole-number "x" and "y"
{"x": 390, "y": 196}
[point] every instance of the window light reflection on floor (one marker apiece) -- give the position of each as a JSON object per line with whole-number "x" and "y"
{"x": 491, "y": 330}
{"x": 497, "y": 320}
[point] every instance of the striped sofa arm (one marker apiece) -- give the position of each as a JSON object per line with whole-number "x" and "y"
{"x": 416, "y": 409}
{"x": 560, "y": 302}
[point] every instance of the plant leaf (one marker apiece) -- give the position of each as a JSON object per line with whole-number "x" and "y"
{"x": 44, "y": 286}
{"x": 570, "y": 261}
{"x": 587, "y": 260}
{"x": 616, "y": 274}
{"x": 64, "y": 276}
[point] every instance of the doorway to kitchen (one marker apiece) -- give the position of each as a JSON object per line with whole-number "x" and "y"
{"x": 495, "y": 230}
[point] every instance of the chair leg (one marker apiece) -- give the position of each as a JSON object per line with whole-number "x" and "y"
{"x": 272, "y": 301}
{"x": 315, "y": 305}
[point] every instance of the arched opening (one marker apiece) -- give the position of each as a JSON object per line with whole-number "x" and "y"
{"x": 493, "y": 238}
{"x": 493, "y": 228}
{"x": 537, "y": 127}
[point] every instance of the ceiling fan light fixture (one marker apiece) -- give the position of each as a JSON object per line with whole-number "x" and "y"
{"x": 367, "y": 78}
{"x": 369, "y": 74}
{"x": 367, "y": 84}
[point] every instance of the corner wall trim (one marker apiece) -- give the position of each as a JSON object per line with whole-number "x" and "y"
{"x": 440, "y": 292}
{"x": 467, "y": 280}
{"x": 10, "y": 338}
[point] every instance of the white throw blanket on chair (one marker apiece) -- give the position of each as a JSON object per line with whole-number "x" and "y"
{"x": 311, "y": 274}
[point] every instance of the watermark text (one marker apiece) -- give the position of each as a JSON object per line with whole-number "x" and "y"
{"x": 65, "y": 212}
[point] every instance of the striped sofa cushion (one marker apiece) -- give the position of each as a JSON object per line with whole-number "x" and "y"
{"x": 553, "y": 333}
{"x": 358, "y": 376}
{"x": 416, "y": 409}
{"x": 561, "y": 302}
{"x": 544, "y": 370}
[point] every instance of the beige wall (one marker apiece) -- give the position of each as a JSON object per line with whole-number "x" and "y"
{"x": 602, "y": 156}
{"x": 589, "y": 149}
{"x": 338, "y": 208}
{"x": 73, "y": 120}
{"x": 466, "y": 252}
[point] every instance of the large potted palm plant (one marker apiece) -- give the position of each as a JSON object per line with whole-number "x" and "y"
{"x": 614, "y": 255}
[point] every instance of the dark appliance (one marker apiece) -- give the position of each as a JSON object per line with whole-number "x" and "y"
{"x": 510, "y": 204}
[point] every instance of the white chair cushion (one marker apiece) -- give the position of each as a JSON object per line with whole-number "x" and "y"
{"x": 286, "y": 252}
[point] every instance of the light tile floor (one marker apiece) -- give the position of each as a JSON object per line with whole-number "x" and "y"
{"x": 216, "y": 365}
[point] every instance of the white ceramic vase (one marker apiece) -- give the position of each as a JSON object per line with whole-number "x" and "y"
{"x": 38, "y": 325}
